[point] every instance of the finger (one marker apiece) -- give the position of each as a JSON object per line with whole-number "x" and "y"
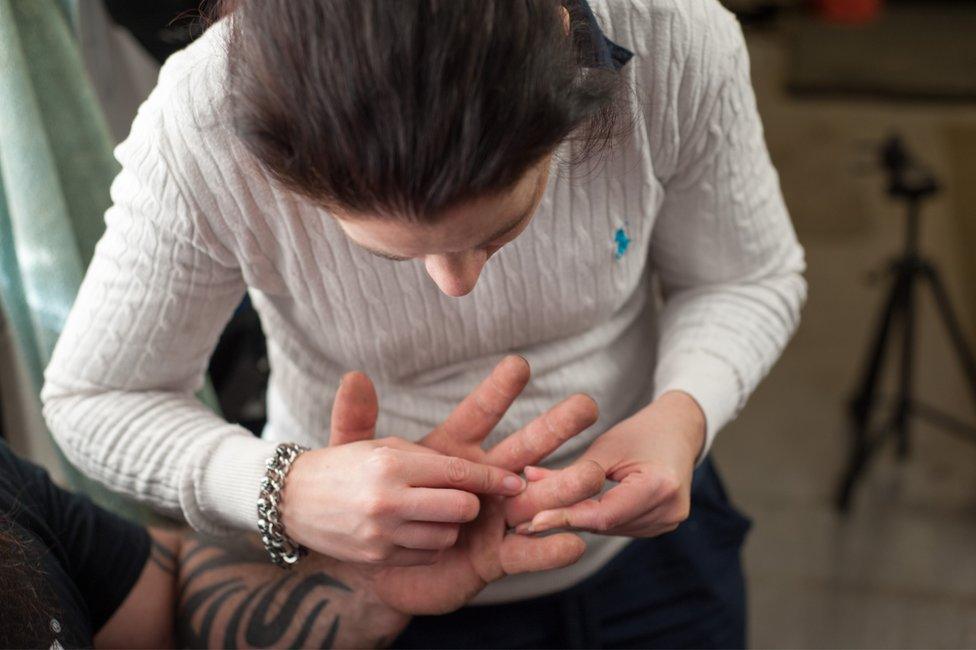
{"x": 411, "y": 557}
{"x": 405, "y": 445}
{"x": 559, "y": 489}
{"x": 354, "y": 410}
{"x": 426, "y": 535}
{"x": 480, "y": 411}
{"x": 436, "y": 471}
{"x": 444, "y": 506}
{"x": 545, "y": 434}
{"x": 536, "y": 473}
{"x": 617, "y": 507}
{"x": 520, "y": 554}
{"x": 649, "y": 525}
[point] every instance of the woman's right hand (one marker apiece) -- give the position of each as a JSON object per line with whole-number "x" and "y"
{"x": 385, "y": 501}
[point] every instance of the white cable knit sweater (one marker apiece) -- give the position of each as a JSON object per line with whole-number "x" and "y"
{"x": 688, "y": 197}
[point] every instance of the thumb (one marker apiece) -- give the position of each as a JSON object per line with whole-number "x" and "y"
{"x": 354, "y": 410}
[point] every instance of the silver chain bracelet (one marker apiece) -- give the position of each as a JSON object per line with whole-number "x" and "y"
{"x": 282, "y": 550}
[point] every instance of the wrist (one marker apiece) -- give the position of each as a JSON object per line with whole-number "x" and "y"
{"x": 680, "y": 415}
{"x": 229, "y": 483}
{"x": 692, "y": 414}
{"x": 292, "y": 496}
{"x": 282, "y": 549}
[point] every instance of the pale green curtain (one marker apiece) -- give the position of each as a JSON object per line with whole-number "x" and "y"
{"x": 56, "y": 167}
{"x": 70, "y": 9}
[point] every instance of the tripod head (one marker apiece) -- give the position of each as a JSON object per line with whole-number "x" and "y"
{"x": 907, "y": 178}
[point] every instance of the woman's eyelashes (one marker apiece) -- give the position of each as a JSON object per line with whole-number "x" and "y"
{"x": 491, "y": 249}
{"x": 509, "y": 237}
{"x": 387, "y": 256}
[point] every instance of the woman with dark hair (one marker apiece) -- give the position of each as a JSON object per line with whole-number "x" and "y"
{"x": 416, "y": 189}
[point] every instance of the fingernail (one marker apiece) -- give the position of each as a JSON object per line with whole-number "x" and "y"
{"x": 524, "y": 528}
{"x": 513, "y": 484}
{"x": 539, "y": 523}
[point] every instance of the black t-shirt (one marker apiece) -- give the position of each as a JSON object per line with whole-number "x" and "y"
{"x": 66, "y": 565}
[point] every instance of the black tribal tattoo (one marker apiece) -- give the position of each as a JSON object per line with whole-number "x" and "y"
{"x": 163, "y": 557}
{"x": 231, "y": 596}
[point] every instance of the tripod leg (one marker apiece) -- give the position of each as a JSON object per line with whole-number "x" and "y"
{"x": 903, "y": 407}
{"x": 863, "y": 399}
{"x": 862, "y": 403}
{"x": 952, "y": 325}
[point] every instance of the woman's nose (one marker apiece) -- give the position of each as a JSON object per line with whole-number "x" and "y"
{"x": 457, "y": 273}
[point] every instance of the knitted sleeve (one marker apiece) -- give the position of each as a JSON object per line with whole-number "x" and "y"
{"x": 723, "y": 247}
{"x": 119, "y": 391}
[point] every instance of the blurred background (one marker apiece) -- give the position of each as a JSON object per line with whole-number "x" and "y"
{"x": 893, "y": 564}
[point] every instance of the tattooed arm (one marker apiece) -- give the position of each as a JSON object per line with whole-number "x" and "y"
{"x": 231, "y": 596}
{"x": 145, "y": 618}
{"x": 226, "y": 594}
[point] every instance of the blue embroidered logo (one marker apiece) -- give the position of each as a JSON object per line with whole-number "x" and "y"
{"x": 622, "y": 241}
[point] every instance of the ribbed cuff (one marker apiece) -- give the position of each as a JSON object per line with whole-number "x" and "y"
{"x": 710, "y": 381}
{"x": 230, "y": 483}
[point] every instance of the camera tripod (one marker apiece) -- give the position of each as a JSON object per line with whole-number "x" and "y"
{"x": 909, "y": 273}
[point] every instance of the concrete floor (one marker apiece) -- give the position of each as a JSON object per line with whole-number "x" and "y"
{"x": 900, "y": 570}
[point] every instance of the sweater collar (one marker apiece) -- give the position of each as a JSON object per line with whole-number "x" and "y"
{"x": 605, "y": 53}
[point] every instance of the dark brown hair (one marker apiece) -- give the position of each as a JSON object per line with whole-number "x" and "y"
{"x": 28, "y": 602}
{"x": 402, "y": 108}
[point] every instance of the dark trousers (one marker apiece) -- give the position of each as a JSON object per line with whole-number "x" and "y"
{"x": 681, "y": 590}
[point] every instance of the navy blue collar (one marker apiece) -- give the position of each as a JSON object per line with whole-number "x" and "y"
{"x": 606, "y": 54}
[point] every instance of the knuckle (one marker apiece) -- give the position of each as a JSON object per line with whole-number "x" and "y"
{"x": 531, "y": 446}
{"x": 384, "y": 462}
{"x": 451, "y": 536}
{"x": 588, "y": 479}
{"x": 376, "y": 555}
{"x": 466, "y": 508}
{"x": 457, "y": 470}
{"x": 553, "y": 428}
{"x": 669, "y": 485}
{"x": 483, "y": 405}
{"x": 376, "y": 504}
{"x": 606, "y": 521}
{"x": 556, "y": 491}
{"x": 488, "y": 480}
{"x": 576, "y": 485}
{"x": 374, "y": 537}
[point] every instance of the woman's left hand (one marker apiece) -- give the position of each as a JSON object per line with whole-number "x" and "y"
{"x": 652, "y": 456}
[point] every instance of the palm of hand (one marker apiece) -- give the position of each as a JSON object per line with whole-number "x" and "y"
{"x": 485, "y": 551}
{"x": 461, "y": 571}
